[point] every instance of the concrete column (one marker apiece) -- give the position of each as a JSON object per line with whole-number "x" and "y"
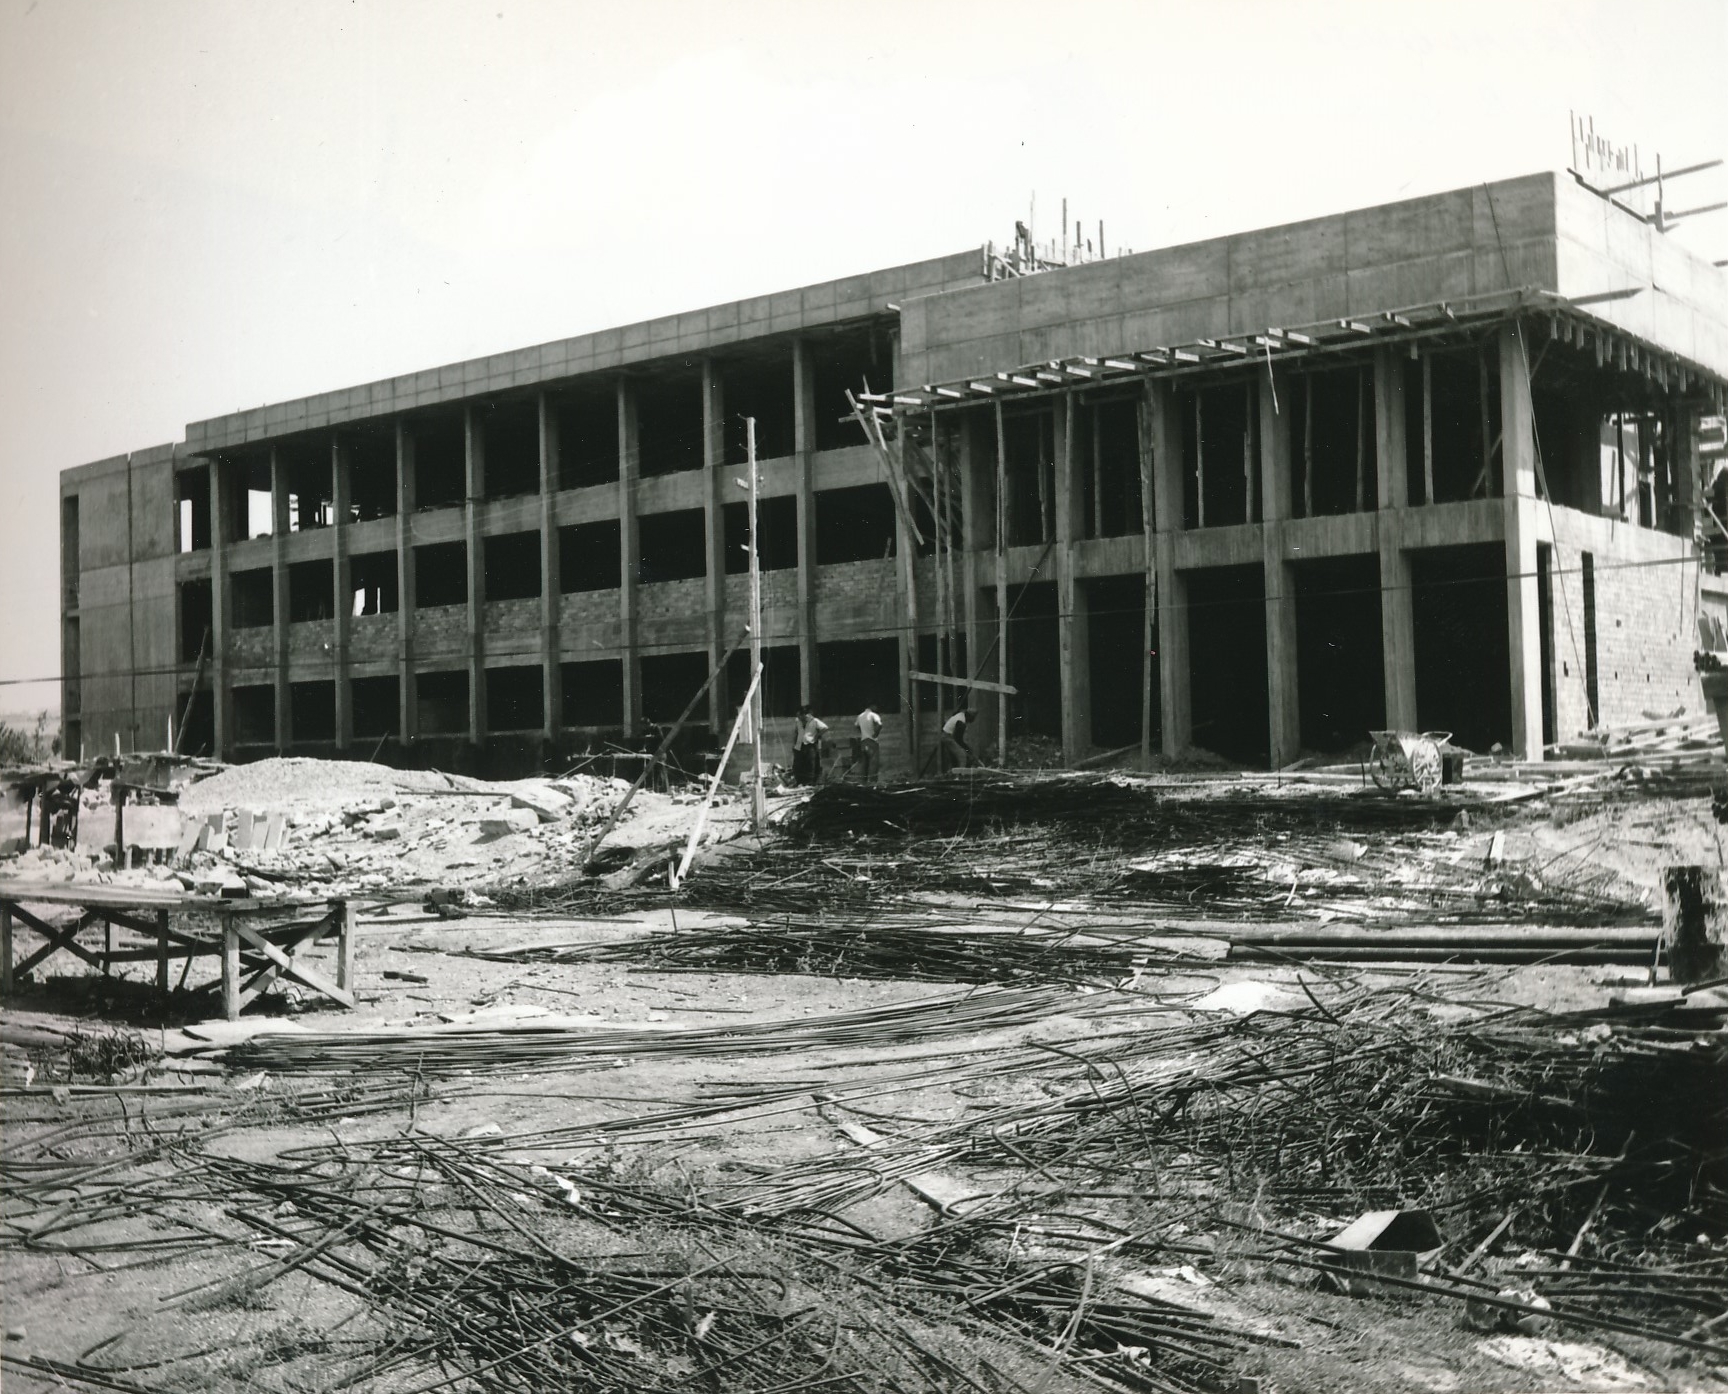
{"x": 279, "y": 597}
{"x": 629, "y": 554}
{"x": 219, "y": 705}
{"x": 978, "y": 541}
{"x": 551, "y": 581}
{"x": 1283, "y": 681}
{"x": 714, "y": 479}
{"x": 999, "y": 578}
{"x": 405, "y": 700}
{"x": 804, "y": 447}
{"x": 1523, "y": 598}
{"x": 341, "y": 490}
{"x": 1072, "y": 631}
{"x": 474, "y": 441}
{"x": 1174, "y": 689}
{"x": 1397, "y": 613}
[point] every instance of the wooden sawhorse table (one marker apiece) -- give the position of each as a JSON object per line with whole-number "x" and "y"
{"x": 254, "y": 953}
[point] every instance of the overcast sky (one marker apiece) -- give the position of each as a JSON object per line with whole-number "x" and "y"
{"x": 208, "y": 206}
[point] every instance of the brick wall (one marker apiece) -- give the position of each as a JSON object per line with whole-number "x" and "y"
{"x": 312, "y": 639}
{"x": 440, "y": 629}
{"x": 674, "y": 612}
{"x": 500, "y": 617}
{"x": 373, "y": 639}
{"x": 857, "y": 598}
{"x": 252, "y": 648}
{"x": 779, "y": 603}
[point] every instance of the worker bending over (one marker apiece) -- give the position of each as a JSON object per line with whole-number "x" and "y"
{"x": 956, "y": 754}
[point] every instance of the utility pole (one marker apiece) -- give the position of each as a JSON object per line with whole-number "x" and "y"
{"x": 758, "y": 801}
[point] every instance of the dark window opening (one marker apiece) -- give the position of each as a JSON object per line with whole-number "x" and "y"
{"x": 198, "y": 712}
{"x": 372, "y": 474}
{"x": 1592, "y": 693}
{"x": 1033, "y": 662}
{"x": 440, "y": 574}
{"x": 192, "y": 509}
{"x": 1463, "y": 656}
{"x": 311, "y": 591}
{"x": 854, "y": 672}
{"x": 1452, "y": 423}
{"x": 1227, "y": 663}
{"x": 1116, "y": 638}
{"x": 512, "y": 566}
{"x": 847, "y": 362}
{"x": 669, "y": 424}
{"x": 441, "y": 703}
{"x": 246, "y": 497}
{"x": 673, "y": 546}
{"x": 375, "y": 583}
{"x": 762, "y": 390}
{"x": 588, "y": 557}
{"x": 69, "y": 559}
{"x": 254, "y": 598}
{"x": 312, "y": 711}
{"x": 1220, "y": 454}
{"x": 255, "y": 715}
{"x": 1029, "y": 461}
{"x": 1340, "y": 671}
{"x": 510, "y": 448}
{"x": 440, "y": 461}
{"x": 944, "y": 656}
{"x": 593, "y": 692}
{"x": 854, "y": 524}
{"x": 196, "y": 618}
{"x": 515, "y": 698}
{"x": 1332, "y": 460}
{"x": 780, "y": 680}
{"x": 1545, "y": 639}
{"x": 587, "y": 421}
{"x": 669, "y": 681}
{"x": 776, "y": 534}
{"x": 309, "y": 483}
{"x": 376, "y": 703}
{"x": 1108, "y": 454}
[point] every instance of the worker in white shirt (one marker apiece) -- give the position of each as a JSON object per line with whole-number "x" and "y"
{"x": 807, "y": 747}
{"x": 867, "y": 757}
{"x": 956, "y": 755}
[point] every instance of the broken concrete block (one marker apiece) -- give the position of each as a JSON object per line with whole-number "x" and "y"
{"x": 243, "y": 820}
{"x": 547, "y": 804}
{"x": 151, "y": 827}
{"x": 273, "y": 829}
{"x": 390, "y": 832}
{"x": 515, "y": 820}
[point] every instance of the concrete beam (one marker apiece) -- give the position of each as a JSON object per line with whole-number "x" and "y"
{"x": 1397, "y": 613}
{"x": 1523, "y": 598}
{"x": 1175, "y": 689}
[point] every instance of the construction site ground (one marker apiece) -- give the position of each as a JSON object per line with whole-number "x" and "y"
{"x": 136, "y": 1133}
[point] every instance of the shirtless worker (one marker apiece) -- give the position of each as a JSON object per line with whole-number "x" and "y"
{"x": 956, "y": 755}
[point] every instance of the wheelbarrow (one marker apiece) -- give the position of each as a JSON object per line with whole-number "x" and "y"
{"x": 1413, "y": 760}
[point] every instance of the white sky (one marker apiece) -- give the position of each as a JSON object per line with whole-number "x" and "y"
{"x": 207, "y": 206}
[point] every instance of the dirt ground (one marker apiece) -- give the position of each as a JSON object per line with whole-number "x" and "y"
{"x": 156, "y": 1322}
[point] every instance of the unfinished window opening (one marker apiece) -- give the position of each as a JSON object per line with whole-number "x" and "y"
{"x": 515, "y": 698}
{"x": 593, "y": 692}
{"x": 945, "y": 656}
{"x": 1108, "y": 455}
{"x": 587, "y": 421}
{"x": 440, "y": 461}
{"x": 855, "y": 672}
{"x": 1340, "y": 668}
{"x": 440, "y": 574}
{"x": 1463, "y": 658}
{"x": 197, "y": 615}
{"x": 855, "y": 524}
{"x": 254, "y": 598}
{"x": 510, "y": 446}
{"x": 197, "y": 736}
{"x": 246, "y": 497}
{"x": 673, "y": 546}
{"x": 376, "y": 585}
{"x": 1029, "y": 460}
{"x": 1227, "y": 663}
{"x": 779, "y": 679}
{"x": 1116, "y": 639}
{"x": 1545, "y": 638}
{"x": 588, "y": 556}
{"x": 669, "y": 424}
{"x": 1592, "y": 690}
{"x": 669, "y": 681}
{"x": 1220, "y": 454}
{"x": 1452, "y": 423}
{"x": 372, "y": 475}
{"x": 312, "y": 712}
{"x": 441, "y": 703}
{"x": 776, "y": 534}
{"x": 192, "y": 509}
{"x": 1034, "y": 663}
{"x": 311, "y": 591}
{"x": 512, "y": 566}
{"x": 760, "y": 389}
{"x": 376, "y": 703}
{"x": 255, "y": 714}
{"x": 309, "y": 483}
{"x": 845, "y": 362}
{"x": 1332, "y": 462}
{"x": 69, "y": 559}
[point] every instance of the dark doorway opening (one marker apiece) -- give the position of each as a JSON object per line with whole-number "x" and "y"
{"x": 441, "y": 703}
{"x": 593, "y": 692}
{"x": 1227, "y": 662}
{"x": 255, "y": 715}
{"x": 198, "y": 732}
{"x": 312, "y": 712}
{"x": 669, "y": 681}
{"x": 376, "y": 701}
{"x": 253, "y": 596}
{"x": 1545, "y": 635}
{"x": 195, "y": 619}
{"x": 1034, "y": 662}
{"x": 1220, "y": 454}
{"x": 1592, "y": 693}
{"x": 1340, "y": 669}
{"x": 1116, "y": 630}
{"x": 515, "y": 698}
{"x": 1463, "y": 657}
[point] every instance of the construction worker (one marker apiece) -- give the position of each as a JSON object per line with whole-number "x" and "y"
{"x": 807, "y": 747}
{"x": 867, "y": 759}
{"x": 956, "y": 755}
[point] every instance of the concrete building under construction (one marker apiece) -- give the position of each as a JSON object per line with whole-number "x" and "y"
{"x": 1428, "y": 465}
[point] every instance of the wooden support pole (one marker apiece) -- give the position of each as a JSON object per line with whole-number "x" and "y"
{"x": 5, "y": 950}
{"x": 162, "y": 953}
{"x": 343, "y": 915}
{"x": 230, "y": 968}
